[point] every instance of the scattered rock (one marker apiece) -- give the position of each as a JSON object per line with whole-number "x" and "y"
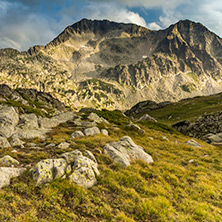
{"x": 193, "y": 143}
{"x": 6, "y": 173}
{"x": 77, "y": 134}
{"x": 8, "y": 161}
{"x": 105, "y": 132}
{"x": 92, "y": 131}
{"x": 146, "y": 117}
{"x": 125, "y": 151}
{"x": 164, "y": 138}
{"x": 191, "y": 161}
{"x": 4, "y": 142}
{"x": 150, "y": 138}
{"x": 63, "y": 145}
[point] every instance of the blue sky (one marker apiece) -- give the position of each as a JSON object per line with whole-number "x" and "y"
{"x": 24, "y": 23}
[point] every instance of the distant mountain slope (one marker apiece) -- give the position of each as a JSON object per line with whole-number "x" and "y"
{"x": 116, "y": 65}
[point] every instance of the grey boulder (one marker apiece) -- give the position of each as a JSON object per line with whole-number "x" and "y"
{"x": 125, "y": 151}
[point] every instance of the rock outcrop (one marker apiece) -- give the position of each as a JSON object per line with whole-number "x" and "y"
{"x": 208, "y": 127}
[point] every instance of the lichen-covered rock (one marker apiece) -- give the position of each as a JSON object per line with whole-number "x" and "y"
{"x": 92, "y": 131}
{"x": 80, "y": 169}
{"x": 47, "y": 170}
{"x": 6, "y": 173}
{"x": 125, "y": 151}
{"x": 70, "y": 157}
{"x": 84, "y": 172}
{"x": 4, "y": 142}
{"x": 8, "y": 120}
{"x": 193, "y": 143}
{"x": 105, "y": 132}
{"x": 89, "y": 154}
{"x": 63, "y": 145}
{"x": 8, "y": 161}
{"x": 94, "y": 117}
{"x": 77, "y": 134}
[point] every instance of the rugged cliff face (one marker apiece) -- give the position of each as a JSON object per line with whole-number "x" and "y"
{"x": 116, "y": 65}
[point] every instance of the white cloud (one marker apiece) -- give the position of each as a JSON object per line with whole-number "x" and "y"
{"x": 112, "y": 12}
{"x": 153, "y": 26}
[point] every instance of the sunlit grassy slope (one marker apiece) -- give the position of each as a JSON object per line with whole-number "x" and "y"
{"x": 188, "y": 109}
{"x": 173, "y": 188}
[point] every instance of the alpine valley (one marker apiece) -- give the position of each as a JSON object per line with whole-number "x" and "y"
{"x": 114, "y": 65}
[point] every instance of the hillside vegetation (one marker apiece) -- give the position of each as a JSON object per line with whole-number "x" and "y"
{"x": 183, "y": 184}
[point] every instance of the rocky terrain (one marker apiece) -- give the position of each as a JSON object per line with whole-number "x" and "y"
{"x": 114, "y": 65}
{"x": 100, "y": 165}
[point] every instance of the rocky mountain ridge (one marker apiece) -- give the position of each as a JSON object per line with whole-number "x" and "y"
{"x": 115, "y": 65}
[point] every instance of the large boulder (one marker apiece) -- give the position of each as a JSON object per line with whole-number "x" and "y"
{"x": 6, "y": 173}
{"x": 125, "y": 151}
{"x": 8, "y": 120}
{"x": 92, "y": 131}
{"x": 80, "y": 169}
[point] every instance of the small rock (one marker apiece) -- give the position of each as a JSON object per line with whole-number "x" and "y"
{"x": 164, "y": 138}
{"x": 77, "y": 134}
{"x": 191, "y": 161}
{"x": 150, "y": 138}
{"x": 105, "y": 132}
{"x": 8, "y": 161}
{"x": 92, "y": 131}
{"x": 63, "y": 145}
{"x": 193, "y": 143}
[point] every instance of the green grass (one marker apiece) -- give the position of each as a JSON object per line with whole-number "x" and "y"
{"x": 170, "y": 189}
{"x": 189, "y": 109}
